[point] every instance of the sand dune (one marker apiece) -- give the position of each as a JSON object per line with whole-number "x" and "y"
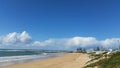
{"x": 71, "y": 60}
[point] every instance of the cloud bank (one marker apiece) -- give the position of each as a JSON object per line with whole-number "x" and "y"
{"x": 24, "y": 40}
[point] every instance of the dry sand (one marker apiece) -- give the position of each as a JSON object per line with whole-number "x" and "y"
{"x": 70, "y": 60}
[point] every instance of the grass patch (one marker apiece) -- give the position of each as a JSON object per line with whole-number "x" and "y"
{"x": 112, "y": 62}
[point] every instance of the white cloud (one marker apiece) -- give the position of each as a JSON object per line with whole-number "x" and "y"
{"x": 113, "y": 43}
{"x": 81, "y": 41}
{"x": 44, "y": 43}
{"x": 16, "y": 38}
{"x": 24, "y": 39}
{"x": 11, "y": 38}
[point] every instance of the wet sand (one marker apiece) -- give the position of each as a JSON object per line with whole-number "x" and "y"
{"x": 69, "y": 60}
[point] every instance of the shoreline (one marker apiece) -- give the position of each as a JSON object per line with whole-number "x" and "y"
{"x": 13, "y": 60}
{"x": 69, "y": 60}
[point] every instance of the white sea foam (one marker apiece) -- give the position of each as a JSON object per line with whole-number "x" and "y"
{"x": 8, "y": 60}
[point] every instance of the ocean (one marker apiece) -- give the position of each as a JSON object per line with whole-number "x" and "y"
{"x": 10, "y": 57}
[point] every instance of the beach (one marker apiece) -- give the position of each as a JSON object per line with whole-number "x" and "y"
{"x": 69, "y": 60}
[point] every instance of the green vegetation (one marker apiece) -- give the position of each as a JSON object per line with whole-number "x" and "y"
{"x": 95, "y": 57}
{"x": 111, "y": 61}
{"x": 81, "y": 50}
{"x": 97, "y": 49}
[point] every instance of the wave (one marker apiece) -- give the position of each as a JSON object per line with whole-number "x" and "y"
{"x": 9, "y": 60}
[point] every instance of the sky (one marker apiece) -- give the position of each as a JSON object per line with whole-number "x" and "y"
{"x": 53, "y": 24}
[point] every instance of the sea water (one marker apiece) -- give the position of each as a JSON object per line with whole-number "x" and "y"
{"x": 9, "y": 57}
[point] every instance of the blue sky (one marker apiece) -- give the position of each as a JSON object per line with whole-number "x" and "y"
{"x": 44, "y": 19}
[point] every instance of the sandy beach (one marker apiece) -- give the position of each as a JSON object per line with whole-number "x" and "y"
{"x": 69, "y": 60}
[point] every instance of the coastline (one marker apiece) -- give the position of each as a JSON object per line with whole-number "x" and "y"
{"x": 69, "y": 60}
{"x": 18, "y": 59}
